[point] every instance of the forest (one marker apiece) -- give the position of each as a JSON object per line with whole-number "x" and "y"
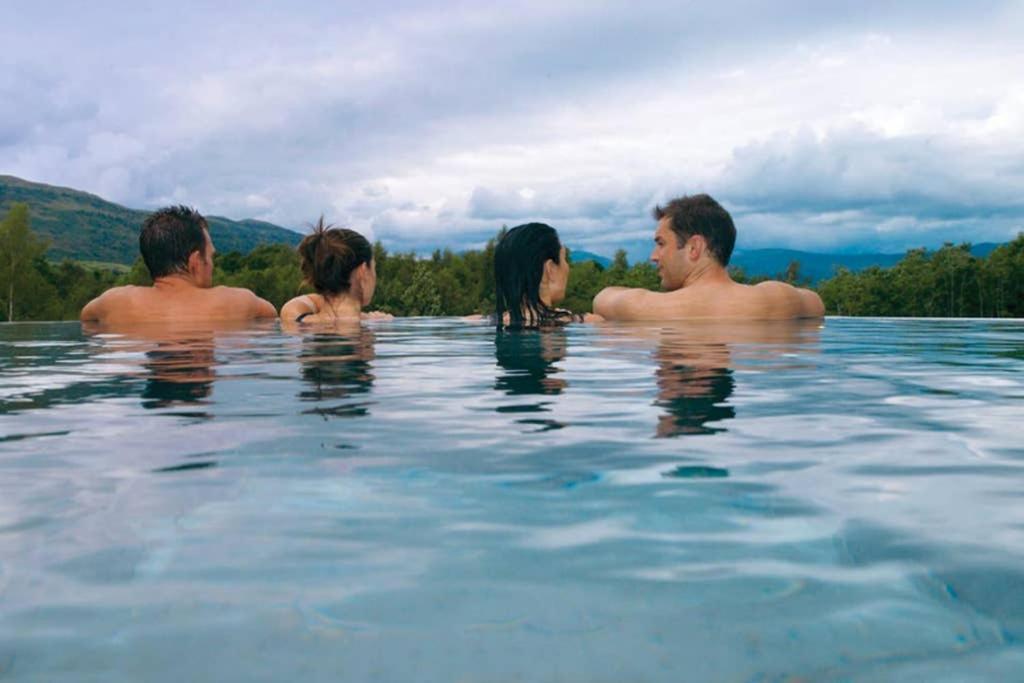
{"x": 947, "y": 282}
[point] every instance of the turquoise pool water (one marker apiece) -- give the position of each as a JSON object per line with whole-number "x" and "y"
{"x": 420, "y": 501}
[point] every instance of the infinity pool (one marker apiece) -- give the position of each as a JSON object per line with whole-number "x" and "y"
{"x": 419, "y": 500}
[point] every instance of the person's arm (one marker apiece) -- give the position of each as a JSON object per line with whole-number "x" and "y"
{"x": 95, "y": 310}
{"x": 261, "y": 308}
{"x": 298, "y": 306}
{"x": 812, "y": 307}
{"x": 621, "y": 303}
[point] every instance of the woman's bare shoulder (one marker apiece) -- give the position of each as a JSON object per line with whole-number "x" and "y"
{"x": 300, "y": 305}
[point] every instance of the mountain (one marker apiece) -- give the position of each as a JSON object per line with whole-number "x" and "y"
{"x": 814, "y": 266}
{"x": 83, "y": 227}
{"x": 578, "y": 256}
{"x": 817, "y": 267}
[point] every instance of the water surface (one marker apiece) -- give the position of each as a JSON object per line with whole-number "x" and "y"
{"x": 422, "y": 500}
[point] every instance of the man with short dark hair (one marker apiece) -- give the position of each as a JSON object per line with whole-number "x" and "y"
{"x": 176, "y": 247}
{"x": 692, "y": 246}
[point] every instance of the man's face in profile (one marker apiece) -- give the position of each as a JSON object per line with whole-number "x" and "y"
{"x": 668, "y": 257}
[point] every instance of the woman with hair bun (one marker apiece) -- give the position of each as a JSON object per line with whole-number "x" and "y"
{"x": 338, "y": 264}
{"x": 531, "y": 273}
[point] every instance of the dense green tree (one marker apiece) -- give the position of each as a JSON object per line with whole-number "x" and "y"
{"x": 270, "y": 270}
{"x": 585, "y": 280}
{"x": 137, "y": 275}
{"x": 19, "y": 250}
{"x": 423, "y": 296}
{"x": 950, "y": 282}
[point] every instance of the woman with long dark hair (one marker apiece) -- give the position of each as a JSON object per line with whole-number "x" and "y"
{"x": 338, "y": 264}
{"x": 531, "y": 273}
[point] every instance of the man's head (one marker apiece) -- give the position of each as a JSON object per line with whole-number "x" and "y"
{"x": 692, "y": 232}
{"x": 176, "y": 241}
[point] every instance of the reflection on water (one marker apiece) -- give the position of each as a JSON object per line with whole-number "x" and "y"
{"x": 527, "y": 359}
{"x": 694, "y": 385}
{"x": 527, "y": 367}
{"x": 695, "y": 373}
{"x": 179, "y": 371}
{"x": 336, "y": 366}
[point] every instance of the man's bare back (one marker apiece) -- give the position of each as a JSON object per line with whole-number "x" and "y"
{"x": 177, "y": 302}
{"x": 176, "y": 247}
{"x": 719, "y": 300}
{"x": 692, "y": 245}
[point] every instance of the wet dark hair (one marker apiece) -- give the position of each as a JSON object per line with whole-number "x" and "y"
{"x": 168, "y": 238}
{"x": 701, "y": 215}
{"x": 329, "y": 255}
{"x": 518, "y": 270}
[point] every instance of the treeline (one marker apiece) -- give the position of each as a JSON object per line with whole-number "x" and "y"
{"x": 949, "y": 282}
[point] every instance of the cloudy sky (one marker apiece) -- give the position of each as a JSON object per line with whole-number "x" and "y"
{"x": 854, "y": 126}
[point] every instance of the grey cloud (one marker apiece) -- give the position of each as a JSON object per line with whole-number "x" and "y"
{"x": 297, "y": 105}
{"x": 554, "y": 203}
{"x": 856, "y": 168}
{"x": 34, "y": 100}
{"x": 933, "y": 189}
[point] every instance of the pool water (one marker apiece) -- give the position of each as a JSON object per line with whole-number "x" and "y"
{"x": 425, "y": 500}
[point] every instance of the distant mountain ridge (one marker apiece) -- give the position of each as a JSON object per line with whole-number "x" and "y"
{"x": 579, "y": 255}
{"x": 84, "y": 227}
{"x": 817, "y": 267}
{"x": 813, "y": 266}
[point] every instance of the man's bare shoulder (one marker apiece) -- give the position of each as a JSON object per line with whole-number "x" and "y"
{"x": 235, "y": 293}
{"x": 774, "y": 286}
{"x": 123, "y": 292}
{"x": 242, "y": 302}
{"x": 790, "y": 301}
{"x": 622, "y": 303}
{"x": 113, "y": 299}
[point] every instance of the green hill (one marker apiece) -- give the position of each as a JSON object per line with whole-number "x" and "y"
{"x": 83, "y": 227}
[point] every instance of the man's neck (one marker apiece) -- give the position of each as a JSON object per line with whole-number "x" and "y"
{"x": 175, "y": 283}
{"x": 707, "y": 273}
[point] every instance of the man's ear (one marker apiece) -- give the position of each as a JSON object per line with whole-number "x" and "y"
{"x": 195, "y": 261}
{"x": 695, "y": 247}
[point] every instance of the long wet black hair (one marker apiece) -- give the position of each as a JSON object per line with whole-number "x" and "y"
{"x": 518, "y": 270}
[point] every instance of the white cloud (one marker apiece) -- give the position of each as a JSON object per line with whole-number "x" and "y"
{"x": 845, "y": 124}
